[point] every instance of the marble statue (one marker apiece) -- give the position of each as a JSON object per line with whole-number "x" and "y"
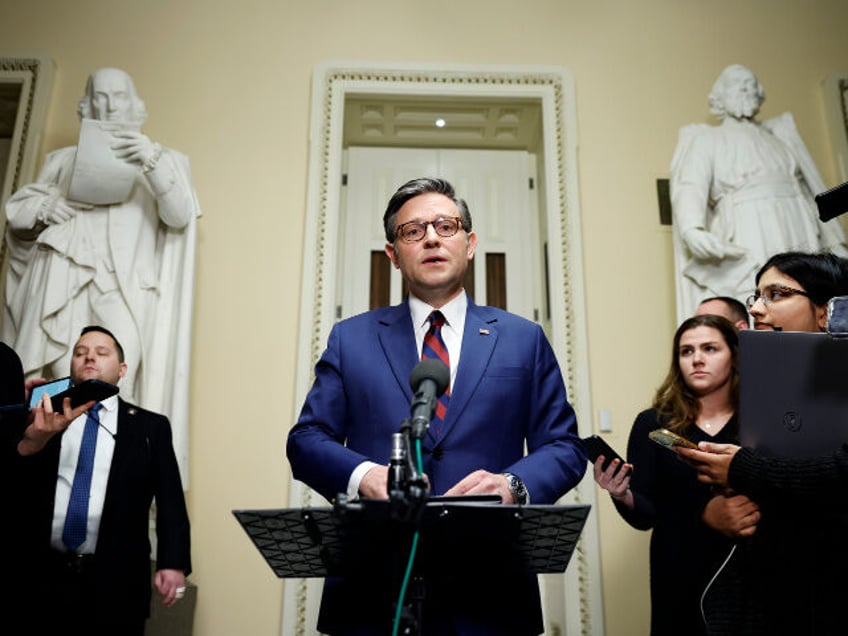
{"x": 127, "y": 264}
{"x": 741, "y": 192}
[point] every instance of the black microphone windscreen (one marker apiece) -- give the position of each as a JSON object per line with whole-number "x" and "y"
{"x": 833, "y": 202}
{"x": 430, "y": 369}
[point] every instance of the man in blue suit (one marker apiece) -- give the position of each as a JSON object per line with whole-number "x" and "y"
{"x": 506, "y": 391}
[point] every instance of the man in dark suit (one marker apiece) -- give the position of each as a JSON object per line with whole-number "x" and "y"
{"x": 102, "y": 585}
{"x": 506, "y": 391}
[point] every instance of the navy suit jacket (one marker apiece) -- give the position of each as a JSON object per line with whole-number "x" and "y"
{"x": 144, "y": 467}
{"x": 508, "y": 392}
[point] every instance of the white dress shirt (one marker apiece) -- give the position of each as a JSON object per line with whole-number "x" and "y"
{"x": 71, "y": 441}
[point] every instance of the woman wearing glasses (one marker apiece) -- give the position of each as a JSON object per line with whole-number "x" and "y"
{"x": 697, "y": 400}
{"x": 793, "y": 289}
{"x": 789, "y": 577}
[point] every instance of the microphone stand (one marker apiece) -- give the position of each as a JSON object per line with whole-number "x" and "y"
{"x": 408, "y": 490}
{"x": 407, "y": 486}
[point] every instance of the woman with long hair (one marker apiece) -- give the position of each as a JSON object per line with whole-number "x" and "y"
{"x": 654, "y": 490}
{"x": 789, "y": 577}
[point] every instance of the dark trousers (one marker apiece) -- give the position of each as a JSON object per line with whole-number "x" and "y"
{"x": 69, "y": 603}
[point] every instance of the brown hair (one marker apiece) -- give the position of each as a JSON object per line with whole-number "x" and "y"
{"x": 675, "y": 401}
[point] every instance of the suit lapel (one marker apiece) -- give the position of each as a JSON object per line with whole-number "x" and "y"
{"x": 397, "y": 339}
{"x": 129, "y": 431}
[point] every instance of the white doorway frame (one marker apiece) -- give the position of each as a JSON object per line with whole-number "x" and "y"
{"x": 553, "y": 87}
{"x": 33, "y": 72}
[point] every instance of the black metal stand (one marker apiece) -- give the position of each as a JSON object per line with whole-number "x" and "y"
{"x": 455, "y": 532}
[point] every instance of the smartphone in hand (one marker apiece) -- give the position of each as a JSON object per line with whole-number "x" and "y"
{"x": 50, "y": 388}
{"x": 665, "y": 437}
{"x": 81, "y": 393}
{"x": 596, "y": 446}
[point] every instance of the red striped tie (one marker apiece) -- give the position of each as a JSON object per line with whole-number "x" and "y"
{"x": 434, "y": 347}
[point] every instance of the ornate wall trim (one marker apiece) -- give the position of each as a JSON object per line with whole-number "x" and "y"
{"x": 34, "y": 75}
{"x": 580, "y": 610}
{"x": 836, "y": 107}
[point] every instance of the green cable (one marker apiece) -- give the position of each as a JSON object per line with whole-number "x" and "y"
{"x": 405, "y": 582}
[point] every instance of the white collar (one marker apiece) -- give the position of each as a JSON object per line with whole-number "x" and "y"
{"x": 453, "y": 311}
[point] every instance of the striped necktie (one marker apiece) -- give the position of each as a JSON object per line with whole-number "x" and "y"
{"x": 434, "y": 347}
{"x": 76, "y": 520}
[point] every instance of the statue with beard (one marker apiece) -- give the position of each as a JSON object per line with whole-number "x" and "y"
{"x": 741, "y": 192}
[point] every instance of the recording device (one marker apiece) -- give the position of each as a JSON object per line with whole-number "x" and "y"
{"x": 429, "y": 380}
{"x": 837, "y": 317}
{"x": 407, "y": 485}
{"x": 81, "y": 393}
{"x": 833, "y": 202}
{"x": 50, "y": 388}
{"x": 596, "y": 446}
{"x": 665, "y": 437}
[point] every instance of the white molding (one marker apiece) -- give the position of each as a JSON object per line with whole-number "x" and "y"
{"x": 35, "y": 74}
{"x": 554, "y": 88}
{"x": 836, "y": 108}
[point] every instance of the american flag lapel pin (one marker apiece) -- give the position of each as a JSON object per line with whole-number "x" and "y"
{"x": 484, "y": 332}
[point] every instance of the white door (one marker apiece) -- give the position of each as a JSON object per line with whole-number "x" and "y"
{"x": 496, "y": 184}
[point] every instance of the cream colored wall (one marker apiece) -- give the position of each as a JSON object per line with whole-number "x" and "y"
{"x": 228, "y": 83}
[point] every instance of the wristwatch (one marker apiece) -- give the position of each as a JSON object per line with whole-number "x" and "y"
{"x": 516, "y": 487}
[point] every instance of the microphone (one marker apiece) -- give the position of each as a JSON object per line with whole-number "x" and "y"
{"x": 429, "y": 380}
{"x": 833, "y": 202}
{"x": 397, "y": 465}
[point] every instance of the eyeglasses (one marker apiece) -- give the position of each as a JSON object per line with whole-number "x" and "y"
{"x": 773, "y": 294}
{"x": 414, "y": 231}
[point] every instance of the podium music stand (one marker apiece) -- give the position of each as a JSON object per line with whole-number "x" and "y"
{"x": 320, "y": 542}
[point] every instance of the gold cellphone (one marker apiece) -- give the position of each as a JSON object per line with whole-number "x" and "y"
{"x": 665, "y": 437}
